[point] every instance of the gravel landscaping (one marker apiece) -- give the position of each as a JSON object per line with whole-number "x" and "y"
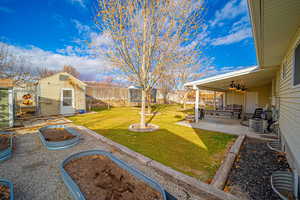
{"x": 250, "y": 174}
{"x": 34, "y": 170}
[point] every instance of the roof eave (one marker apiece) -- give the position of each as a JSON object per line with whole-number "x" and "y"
{"x": 255, "y": 13}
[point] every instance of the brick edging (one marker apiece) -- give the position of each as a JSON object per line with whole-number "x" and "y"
{"x": 186, "y": 181}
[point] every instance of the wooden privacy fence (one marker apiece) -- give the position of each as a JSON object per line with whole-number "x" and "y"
{"x": 107, "y": 93}
{"x": 99, "y": 96}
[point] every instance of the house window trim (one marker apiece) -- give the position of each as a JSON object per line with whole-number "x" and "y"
{"x": 294, "y": 65}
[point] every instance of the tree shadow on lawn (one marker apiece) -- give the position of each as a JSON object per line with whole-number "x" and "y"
{"x": 155, "y": 111}
{"x": 199, "y": 156}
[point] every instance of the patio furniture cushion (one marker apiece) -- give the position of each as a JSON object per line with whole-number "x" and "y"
{"x": 285, "y": 184}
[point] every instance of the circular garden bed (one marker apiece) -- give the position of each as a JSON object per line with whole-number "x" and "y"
{"x": 6, "y": 140}
{"x": 148, "y": 128}
{"x": 56, "y": 137}
{"x": 6, "y": 190}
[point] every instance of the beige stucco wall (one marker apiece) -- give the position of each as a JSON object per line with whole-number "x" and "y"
{"x": 289, "y": 107}
{"x": 49, "y": 90}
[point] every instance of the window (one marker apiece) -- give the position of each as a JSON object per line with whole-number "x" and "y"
{"x": 296, "y": 75}
{"x": 67, "y": 97}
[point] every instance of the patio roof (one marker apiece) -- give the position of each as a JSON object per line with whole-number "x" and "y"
{"x": 274, "y": 23}
{"x": 251, "y": 77}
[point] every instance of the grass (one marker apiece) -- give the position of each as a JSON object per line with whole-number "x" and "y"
{"x": 194, "y": 152}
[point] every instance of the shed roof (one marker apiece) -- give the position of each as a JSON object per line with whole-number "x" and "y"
{"x": 65, "y": 73}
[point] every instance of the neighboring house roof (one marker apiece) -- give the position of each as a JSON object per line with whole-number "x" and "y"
{"x": 6, "y": 83}
{"x": 274, "y": 23}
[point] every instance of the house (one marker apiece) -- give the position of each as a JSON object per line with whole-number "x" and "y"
{"x": 276, "y": 79}
{"x": 6, "y": 103}
{"x": 61, "y": 93}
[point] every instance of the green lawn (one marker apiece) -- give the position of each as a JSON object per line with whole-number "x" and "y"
{"x": 194, "y": 152}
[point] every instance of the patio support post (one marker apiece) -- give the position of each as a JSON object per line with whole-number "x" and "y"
{"x": 197, "y": 105}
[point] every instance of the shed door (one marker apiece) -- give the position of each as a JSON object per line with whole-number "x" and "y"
{"x": 67, "y": 102}
{"x": 251, "y": 102}
{"x": 4, "y": 108}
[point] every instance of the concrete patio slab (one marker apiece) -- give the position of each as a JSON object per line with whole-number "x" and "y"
{"x": 223, "y": 125}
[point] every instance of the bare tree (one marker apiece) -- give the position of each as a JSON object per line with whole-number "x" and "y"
{"x": 15, "y": 67}
{"x": 71, "y": 70}
{"x": 45, "y": 72}
{"x": 149, "y": 36}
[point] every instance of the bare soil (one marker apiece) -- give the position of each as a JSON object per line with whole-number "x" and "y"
{"x": 4, "y": 142}
{"x": 99, "y": 178}
{"x": 4, "y": 192}
{"x": 56, "y": 134}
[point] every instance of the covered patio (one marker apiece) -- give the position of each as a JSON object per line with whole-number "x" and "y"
{"x": 229, "y": 126}
{"x": 243, "y": 91}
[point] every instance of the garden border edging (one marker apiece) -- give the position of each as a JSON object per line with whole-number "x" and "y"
{"x": 11, "y": 187}
{"x": 7, "y": 153}
{"x": 74, "y": 188}
{"x": 221, "y": 175}
{"x": 182, "y": 179}
{"x": 62, "y": 144}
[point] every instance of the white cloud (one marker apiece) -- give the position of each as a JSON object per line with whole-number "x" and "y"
{"x": 79, "y": 2}
{"x": 82, "y": 29}
{"x": 98, "y": 40}
{"x": 241, "y": 24}
{"x": 54, "y": 61}
{"x": 231, "y": 10}
{"x": 232, "y": 37}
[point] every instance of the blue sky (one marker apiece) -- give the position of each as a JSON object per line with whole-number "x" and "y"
{"x": 51, "y": 33}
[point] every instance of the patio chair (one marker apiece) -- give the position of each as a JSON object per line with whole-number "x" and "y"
{"x": 257, "y": 113}
{"x": 285, "y": 184}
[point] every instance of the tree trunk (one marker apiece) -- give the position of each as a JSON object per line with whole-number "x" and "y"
{"x": 143, "y": 108}
{"x": 184, "y": 100}
{"x": 149, "y": 103}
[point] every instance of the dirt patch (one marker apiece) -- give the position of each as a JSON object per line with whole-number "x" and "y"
{"x": 4, "y": 192}
{"x": 4, "y": 142}
{"x": 99, "y": 178}
{"x": 56, "y": 134}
